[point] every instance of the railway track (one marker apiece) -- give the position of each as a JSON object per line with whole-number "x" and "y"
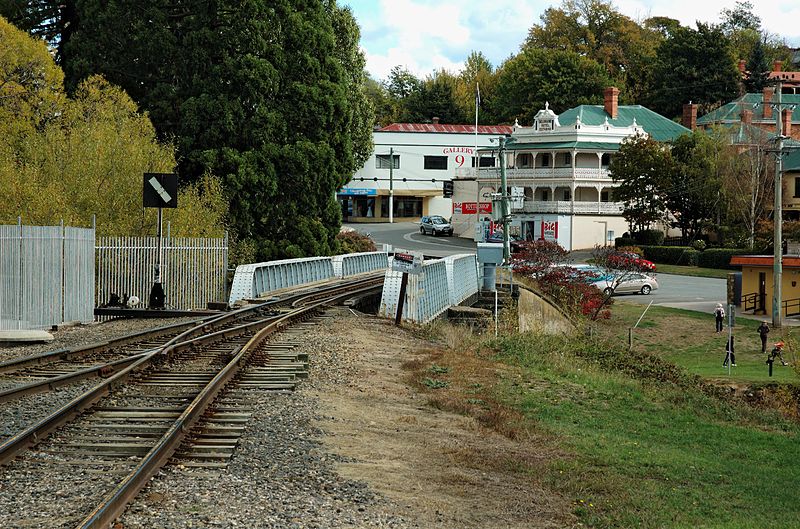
{"x": 176, "y": 401}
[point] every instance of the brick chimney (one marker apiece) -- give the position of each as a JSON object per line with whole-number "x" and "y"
{"x": 689, "y": 118}
{"x": 747, "y": 116}
{"x": 786, "y": 120}
{"x": 768, "y": 92}
{"x": 610, "y": 101}
{"x": 435, "y": 120}
{"x": 742, "y": 65}
{"x": 777, "y": 66}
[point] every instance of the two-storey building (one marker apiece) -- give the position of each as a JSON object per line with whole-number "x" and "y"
{"x": 557, "y": 173}
{"x": 412, "y": 161}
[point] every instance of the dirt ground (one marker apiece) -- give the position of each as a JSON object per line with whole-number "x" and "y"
{"x": 441, "y": 469}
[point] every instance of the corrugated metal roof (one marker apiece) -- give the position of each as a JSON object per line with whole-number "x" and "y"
{"x": 588, "y": 145}
{"x": 732, "y": 112}
{"x": 446, "y": 128}
{"x": 656, "y": 125}
{"x": 792, "y": 162}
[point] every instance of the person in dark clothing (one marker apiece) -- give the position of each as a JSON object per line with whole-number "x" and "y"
{"x": 719, "y": 315}
{"x": 777, "y": 353}
{"x": 729, "y": 354}
{"x": 763, "y": 331}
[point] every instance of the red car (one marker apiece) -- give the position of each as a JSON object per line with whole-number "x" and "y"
{"x": 631, "y": 260}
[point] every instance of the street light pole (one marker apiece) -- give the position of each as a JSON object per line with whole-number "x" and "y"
{"x": 391, "y": 185}
{"x": 504, "y": 200}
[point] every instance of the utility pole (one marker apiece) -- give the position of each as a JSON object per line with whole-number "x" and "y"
{"x": 391, "y": 185}
{"x": 777, "y": 272}
{"x": 504, "y": 200}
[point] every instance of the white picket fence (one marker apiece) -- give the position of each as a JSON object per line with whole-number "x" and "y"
{"x": 46, "y": 276}
{"x": 193, "y": 270}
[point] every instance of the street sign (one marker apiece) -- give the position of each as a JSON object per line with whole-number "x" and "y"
{"x": 160, "y": 190}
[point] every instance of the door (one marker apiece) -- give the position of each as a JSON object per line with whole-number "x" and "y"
{"x": 762, "y": 293}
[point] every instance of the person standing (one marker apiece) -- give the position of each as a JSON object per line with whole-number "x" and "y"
{"x": 763, "y": 331}
{"x": 719, "y": 315}
{"x": 729, "y": 354}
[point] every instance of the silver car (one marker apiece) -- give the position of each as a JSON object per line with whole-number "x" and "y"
{"x": 631, "y": 283}
{"x": 435, "y": 225}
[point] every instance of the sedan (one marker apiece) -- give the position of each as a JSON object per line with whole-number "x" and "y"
{"x": 630, "y": 283}
{"x": 629, "y": 260}
{"x": 515, "y": 242}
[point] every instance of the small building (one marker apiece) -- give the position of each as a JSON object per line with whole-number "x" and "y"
{"x": 557, "y": 173}
{"x": 425, "y": 156}
{"x": 757, "y": 282}
{"x": 756, "y": 109}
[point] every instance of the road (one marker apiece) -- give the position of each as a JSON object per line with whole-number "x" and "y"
{"x": 684, "y": 292}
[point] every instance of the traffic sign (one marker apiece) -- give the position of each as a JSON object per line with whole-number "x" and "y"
{"x": 160, "y": 190}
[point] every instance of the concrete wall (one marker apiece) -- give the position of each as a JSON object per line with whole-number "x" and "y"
{"x": 538, "y": 315}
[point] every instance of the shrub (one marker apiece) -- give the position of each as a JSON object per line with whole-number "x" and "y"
{"x": 699, "y": 245}
{"x": 624, "y": 241}
{"x": 676, "y": 255}
{"x": 353, "y": 242}
{"x": 720, "y": 257}
{"x": 631, "y": 249}
{"x": 650, "y": 237}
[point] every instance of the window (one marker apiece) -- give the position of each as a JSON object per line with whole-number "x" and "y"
{"x": 403, "y": 207}
{"x": 797, "y": 188}
{"x": 603, "y": 196}
{"x": 566, "y": 194}
{"x": 605, "y": 160}
{"x": 545, "y": 160}
{"x": 382, "y": 161}
{"x": 567, "y": 158}
{"x": 485, "y": 161}
{"x": 436, "y": 162}
{"x": 545, "y": 195}
{"x": 525, "y": 160}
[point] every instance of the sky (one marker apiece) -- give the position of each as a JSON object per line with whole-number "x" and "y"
{"x": 427, "y": 35}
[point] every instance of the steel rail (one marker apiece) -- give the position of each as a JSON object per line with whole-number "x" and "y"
{"x": 116, "y": 501}
{"x": 39, "y": 431}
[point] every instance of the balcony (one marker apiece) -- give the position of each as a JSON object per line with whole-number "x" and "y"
{"x": 567, "y": 207}
{"x": 576, "y": 173}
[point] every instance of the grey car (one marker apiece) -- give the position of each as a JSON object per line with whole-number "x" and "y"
{"x": 631, "y": 283}
{"x": 435, "y": 225}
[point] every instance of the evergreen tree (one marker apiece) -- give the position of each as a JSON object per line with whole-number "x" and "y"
{"x": 758, "y": 69}
{"x": 266, "y": 94}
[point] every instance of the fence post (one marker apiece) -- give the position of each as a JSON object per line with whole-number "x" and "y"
{"x": 630, "y": 339}
{"x": 21, "y": 290}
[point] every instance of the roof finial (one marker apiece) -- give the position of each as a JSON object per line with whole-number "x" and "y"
{"x": 547, "y": 105}
{"x": 516, "y": 123}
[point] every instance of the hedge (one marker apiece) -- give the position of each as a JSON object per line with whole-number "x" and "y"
{"x": 676, "y": 255}
{"x": 619, "y": 242}
{"x": 650, "y": 237}
{"x": 720, "y": 257}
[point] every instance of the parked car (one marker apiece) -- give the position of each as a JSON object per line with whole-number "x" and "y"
{"x": 628, "y": 260}
{"x": 633, "y": 282}
{"x": 514, "y": 242}
{"x": 435, "y": 225}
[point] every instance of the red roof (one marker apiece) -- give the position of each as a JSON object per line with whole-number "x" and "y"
{"x": 764, "y": 260}
{"x": 441, "y": 127}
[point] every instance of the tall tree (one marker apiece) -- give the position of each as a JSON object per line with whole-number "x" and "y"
{"x": 643, "y": 168}
{"x": 266, "y": 95}
{"x": 694, "y": 65}
{"x": 54, "y": 21}
{"x": 536, "y": 76}
{"x": 692, "y": 192}
{"x": 757, "y": 69}
{"x": 477, "y": 72}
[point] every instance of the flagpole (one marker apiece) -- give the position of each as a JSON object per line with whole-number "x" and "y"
{"x": 477, "y": 165}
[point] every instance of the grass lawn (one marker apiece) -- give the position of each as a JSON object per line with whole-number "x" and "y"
{"x": 687, "y": 338}
{"x": 692, "y": 271}
{"x": 632, "y": 439}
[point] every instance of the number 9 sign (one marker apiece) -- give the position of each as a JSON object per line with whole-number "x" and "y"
{"x": 460, "y": 160}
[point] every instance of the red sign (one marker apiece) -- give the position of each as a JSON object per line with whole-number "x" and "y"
{"x": 469, "y": 208}
{"x": 550, "y": 230}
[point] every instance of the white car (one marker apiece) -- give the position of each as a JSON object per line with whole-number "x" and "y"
{"x": 630, "y": 283}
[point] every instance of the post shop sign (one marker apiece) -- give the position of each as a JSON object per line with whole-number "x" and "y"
{"x": 471, "y": 208}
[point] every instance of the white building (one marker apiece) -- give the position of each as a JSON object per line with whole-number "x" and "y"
{"x": 425, "y": 156}
{"x": 557, "y": 173}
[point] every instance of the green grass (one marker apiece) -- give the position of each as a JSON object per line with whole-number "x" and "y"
{"x": 644, "y": 445}
{"x": 692, "y": 271}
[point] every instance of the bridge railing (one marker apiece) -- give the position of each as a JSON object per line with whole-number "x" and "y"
{"x": 352, "y": 264}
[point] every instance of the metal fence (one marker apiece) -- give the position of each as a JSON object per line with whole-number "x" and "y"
{"x": 193, "y": 269}
{"x": 46, "y": 275}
